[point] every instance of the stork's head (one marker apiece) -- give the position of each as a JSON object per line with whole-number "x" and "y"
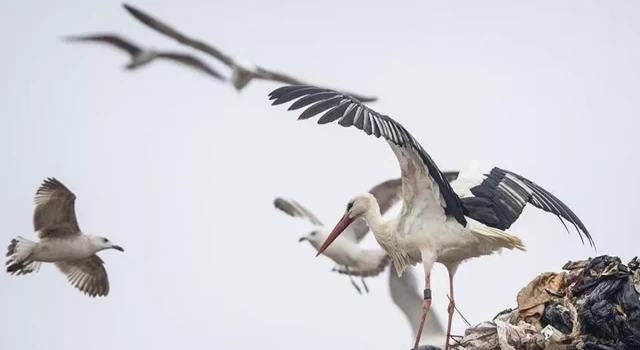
{"x": 357, "y": 207}
{"x": 101, "y": 243}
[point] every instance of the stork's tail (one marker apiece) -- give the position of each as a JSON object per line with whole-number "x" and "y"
{"x": 370, "y": 263}
{"x": 504, "y": 239}
{"x": 18, "y": 253}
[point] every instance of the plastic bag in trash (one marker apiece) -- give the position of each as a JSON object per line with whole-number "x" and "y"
{"x": 608, "y": 305}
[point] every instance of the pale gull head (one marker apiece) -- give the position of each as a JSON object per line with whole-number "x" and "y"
{"x": 101, "y": 243}
{"x": 315, "y": 237}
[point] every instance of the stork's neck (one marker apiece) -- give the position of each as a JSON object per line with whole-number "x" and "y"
{"x": 374, "y": 220}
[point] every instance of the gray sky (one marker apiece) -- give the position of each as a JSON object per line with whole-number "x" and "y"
{"x": 181, "y": 170}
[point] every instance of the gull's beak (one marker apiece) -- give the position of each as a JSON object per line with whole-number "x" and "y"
{"x": 342, "y": 224}
{"x": 302, "y": 239}
{"x": 117, "y": 247}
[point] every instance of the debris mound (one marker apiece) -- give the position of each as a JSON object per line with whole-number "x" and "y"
{"x": 591, "y": 305}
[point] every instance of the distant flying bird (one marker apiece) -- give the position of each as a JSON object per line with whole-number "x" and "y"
{"x": 141, "y": 57}
{"x": 243, "y": 72}
{"x": 61, "y": 242}
{"x": 436, "y": 223}
{"x": 404, "y": 293}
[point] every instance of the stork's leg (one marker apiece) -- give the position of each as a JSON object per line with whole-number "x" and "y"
{"x": 425, "y": 308}
{"x": 428, "y": 260}
{"x": 353, "y": 282}
{"x": 452, "y": 304}
{"x": 364, "y": 284}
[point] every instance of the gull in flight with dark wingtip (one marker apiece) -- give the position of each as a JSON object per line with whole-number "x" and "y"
{"x": 61, "y": 242}
{"x": 243, "y": 72}
{"x": 440, "y": 222}
{"x": 141, "y": 57}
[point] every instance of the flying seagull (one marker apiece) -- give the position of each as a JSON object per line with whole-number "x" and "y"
{"x": 61, "y": 242}
{"x": 436, "y": 222}
{"x": 243, "y": 72}
{"x": 141, "y": 57}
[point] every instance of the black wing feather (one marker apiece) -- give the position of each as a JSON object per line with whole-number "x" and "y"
{"x": 335, "y": 113}
{"x": 548, "y": 202}
{"x": 309, "y": 99}
{"x": 290, "y": 95}
{"x": 501, "y": 197}
{"x": 320, "y": 107}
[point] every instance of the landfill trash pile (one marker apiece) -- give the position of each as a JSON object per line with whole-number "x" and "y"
{"x": 592, "y": 305}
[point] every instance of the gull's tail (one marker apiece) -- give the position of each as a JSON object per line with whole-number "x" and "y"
{"x": 18, "y": 252}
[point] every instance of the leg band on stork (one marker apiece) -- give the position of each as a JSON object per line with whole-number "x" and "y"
{"x": 427, "y": 294}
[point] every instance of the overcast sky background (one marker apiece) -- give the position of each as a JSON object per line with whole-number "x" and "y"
{"x": 181, "y": 170}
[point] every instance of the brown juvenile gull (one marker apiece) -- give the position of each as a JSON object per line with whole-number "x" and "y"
{"x": 141, "y": 57}
{"x": 243, "y": 71}
{"x": 61, "y": 242}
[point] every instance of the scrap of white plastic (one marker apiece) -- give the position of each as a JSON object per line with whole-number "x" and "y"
{"x": 548, "y": 331}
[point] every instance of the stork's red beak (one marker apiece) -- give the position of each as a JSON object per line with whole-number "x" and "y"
{"x": 342, "y": 224}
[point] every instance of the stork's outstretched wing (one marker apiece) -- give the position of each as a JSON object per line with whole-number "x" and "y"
{"x": 420, "y": 173}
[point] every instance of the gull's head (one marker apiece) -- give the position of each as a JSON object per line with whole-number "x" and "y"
{"x": 315, "y": 237}
{"x": 102, "y": 243}
{"x": 357, "y": 207}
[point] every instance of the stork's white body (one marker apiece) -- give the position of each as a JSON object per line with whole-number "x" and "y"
{"x": 416, "y": 236}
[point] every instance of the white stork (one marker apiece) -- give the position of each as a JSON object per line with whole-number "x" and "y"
{"x": 436, "y": 223}
{"x": 243, "y": 72}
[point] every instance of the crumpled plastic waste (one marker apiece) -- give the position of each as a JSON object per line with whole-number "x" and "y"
{"x": 592, "y": 305}
{"x": 500, "y": 333}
